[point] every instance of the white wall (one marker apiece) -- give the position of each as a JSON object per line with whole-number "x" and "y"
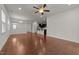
{"x": 65, "y": 25}
{"x": 21, "y": 28}
{"x": 3, "y": 36}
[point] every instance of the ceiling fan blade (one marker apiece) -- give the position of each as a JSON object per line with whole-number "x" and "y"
{"x": 44, "y": 5}
{"x": 35, "y": 7}
{"x": 47, "y": 10}
{"x": 36, "y": 12}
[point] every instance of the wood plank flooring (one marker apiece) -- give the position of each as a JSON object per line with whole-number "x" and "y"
{"x": 33, "y": 44}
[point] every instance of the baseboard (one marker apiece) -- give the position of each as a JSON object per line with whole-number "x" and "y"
{"x": 63, "y": 38}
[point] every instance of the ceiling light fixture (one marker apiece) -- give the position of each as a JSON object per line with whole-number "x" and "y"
{"x": 19, "y": 8}
{"x": 20, "y": 21}
{"x": 41, "y": 9}
{"x": 69, "y": 4}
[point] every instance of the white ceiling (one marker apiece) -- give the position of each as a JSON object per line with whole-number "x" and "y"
{"x": 27, "y": 11}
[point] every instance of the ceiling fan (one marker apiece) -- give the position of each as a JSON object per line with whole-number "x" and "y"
{"x": 41, "y": 9}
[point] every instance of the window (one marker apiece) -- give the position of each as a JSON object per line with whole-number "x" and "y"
{"x": 3, "y": 28}
{"x": 8, "y": 24}
{"x": 3, "y": 18}
{"x": 14, "y": 26}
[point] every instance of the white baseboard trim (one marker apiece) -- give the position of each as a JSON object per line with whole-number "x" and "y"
{"x": 63, "y": 38}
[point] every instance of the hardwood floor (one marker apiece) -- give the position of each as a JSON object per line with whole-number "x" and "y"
{"x": 33, "y": 44}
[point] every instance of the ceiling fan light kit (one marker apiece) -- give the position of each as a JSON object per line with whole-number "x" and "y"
{"x": 41, "y": 9}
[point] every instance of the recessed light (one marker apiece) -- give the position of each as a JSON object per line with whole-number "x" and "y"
{"x": 69, "y": 4}
{"x": 20, "y": 21}
{"x": 19, "y": 8}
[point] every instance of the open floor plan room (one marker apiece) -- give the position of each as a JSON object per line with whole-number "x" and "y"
{"x": 39, "y": 29}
